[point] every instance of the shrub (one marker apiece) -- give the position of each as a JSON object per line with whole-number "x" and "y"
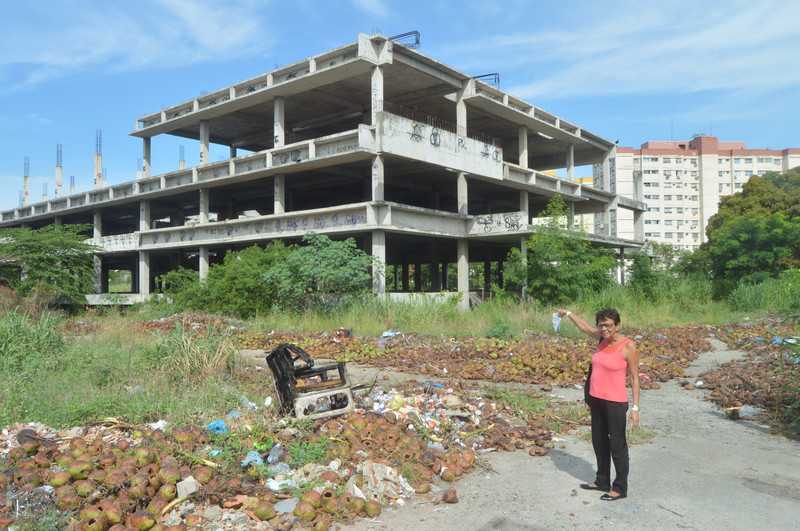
{"x": 28, "y": 344}
{"x": 780, "y": 294}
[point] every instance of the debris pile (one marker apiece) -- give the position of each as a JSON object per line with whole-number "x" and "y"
{"x": 237, "y": 474}
{"x": 536, "y": 358}
{"x": 195, "y": 321}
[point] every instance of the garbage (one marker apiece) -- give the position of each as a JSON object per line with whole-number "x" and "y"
{"x": 252, "y": 458}
{"x": 389, "y": 334}
{"x": 275, "y": 454}
{"x": 383, "y": 482}
{"x": 450, "y": 496}
{"x": 217, "y": 427}
{"x": 268, "y": 402}
{"x": 286, "y": 506}
{"x": 278, "y": 486}
{"x": 187, "y": 487}
{"x": 279, "y": 469}
{"x": 556, "y": 322}
{"x": 158, "y": 425}
{"x": 247, "y": 404}
{"x": 233, "y": 414}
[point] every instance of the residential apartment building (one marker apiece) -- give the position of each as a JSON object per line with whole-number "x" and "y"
{"x": 682, "y": 183}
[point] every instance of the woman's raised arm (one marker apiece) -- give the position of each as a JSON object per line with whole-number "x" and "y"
{"x": 582, "y": 324}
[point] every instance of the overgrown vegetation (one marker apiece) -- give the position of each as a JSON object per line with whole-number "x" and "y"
{"x": 53, "y": 261}
{"x": 321, "y": 274}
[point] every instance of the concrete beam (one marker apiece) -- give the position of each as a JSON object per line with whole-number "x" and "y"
{"x": 379, "y": 257}
{"x": 463, "y": 273}
{"x": 144, "y": 215}
{"x": 279, "y": 126}
{"x": 205, "y": 133}
{"x": 280, "y": 194}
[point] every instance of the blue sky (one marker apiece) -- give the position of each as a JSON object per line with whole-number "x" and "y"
{"x": 630, "y": 71}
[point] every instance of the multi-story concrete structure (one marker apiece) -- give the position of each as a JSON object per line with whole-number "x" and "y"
{"x": 681, "y": 182}
{"x": 425, "y": 166}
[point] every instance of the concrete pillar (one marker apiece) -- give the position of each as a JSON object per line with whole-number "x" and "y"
{"x": 523, "y": 147}
{"x": 523, "y": 248}
{"x": 443, "y": 283}
{"x": 405, "y": 269}
{"x": 621, "y": 266}
{"x": 278, "y": 125}
{"x": 524, "y": 206}
{"x": 144, "y": 215}
{"x": 97, "y": 219}
{"x": 97, "y": 261}
{"x": 205, "y": 194}
{"x": 638, "y": 225}
{"x": 463, "y": 273}
{"x": 379, "y": 257}
{"x": 417, "y": 277}
{"x": 280, "y": 194}
{"x": 463, "y": 194}
{"x": 461, "y": 114}
{"x": 203, "y": 264}
{"x": 571, "y": 163}
{"x": 144, "y": 272}
{"x": 58, "y": 220}
{"x": 570, "y": 215}
{"x": 487, "y": 277}
{"x": 377, "y": 178}
{"x": 377, "y": 93}
{"x": 232, "y": 152}
{"x": 205, "y": 135}
{"x": 146, "y": 156}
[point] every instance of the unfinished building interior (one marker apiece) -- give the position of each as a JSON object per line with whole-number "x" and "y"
{"x": 429, "y": 169}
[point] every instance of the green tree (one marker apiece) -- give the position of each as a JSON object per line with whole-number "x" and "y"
{"x": 53, "y": 260}
{"x": 561, "y": 264}
{"x": 756, "y": 233}
{"x": 321, "y": 273}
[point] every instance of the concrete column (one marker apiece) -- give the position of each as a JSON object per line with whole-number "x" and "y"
{"x": 463, "y": 273}
{"x": 203, "y": 264}
{"x": 377, "y": 178}
{"x": 463, "y": 194}
{"x": 280, "y": 194}
{"x": 144, "y": 272}
{"x": 638, "y": 225}
{"x": 205, "y": 194}
{"x": 379, "y": 257}
{"x": 144, "y": 215}
{"x": 97, "y": 219}
{"x": 571, "y": 216}
{"x": 58, "y": 220}
{"x": 417, "y": 277}
{"x": 97, "y": 261}
{"x": 278, "y": 125}
{"x": 606, "y": 170}
{"x": 444, "y": 277}
{"x": 523, "y": 247}
{"x": 461, "y": 114}
{"x": 487, "y": 277}
{"x": 405, "y": 277}
{"x": 232, "y": 152}
{"x": 205, "y": 134}
{"x": 621, "y": 266}
{"x": 377, "y": 93}
{"x": 523, "y": 147}
{"x": 571, "y": 163}
{"x": 146, "y": 156}
{"x": 524, "y": 205}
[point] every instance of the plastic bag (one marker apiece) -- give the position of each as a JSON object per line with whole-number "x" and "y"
{"x": 556, "y": 322}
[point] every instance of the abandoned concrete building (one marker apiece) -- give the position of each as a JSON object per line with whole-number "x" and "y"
{"x": 429, "y": 169}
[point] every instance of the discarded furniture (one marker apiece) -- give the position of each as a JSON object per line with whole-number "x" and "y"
{"x": 306, "y": 389}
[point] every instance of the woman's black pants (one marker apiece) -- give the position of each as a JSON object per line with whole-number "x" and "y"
{"x": 608, "y": 439}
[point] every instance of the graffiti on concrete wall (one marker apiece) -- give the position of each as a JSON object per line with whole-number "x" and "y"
{"x": 493, "y": 223}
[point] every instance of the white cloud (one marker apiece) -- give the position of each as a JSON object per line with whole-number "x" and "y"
{"x": 657, "y": 48}
{"x": 373, "y": 7}
{"x": 50, "y": 42}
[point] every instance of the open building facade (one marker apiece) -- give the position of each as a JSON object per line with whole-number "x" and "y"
{"x": 429, "y": 169}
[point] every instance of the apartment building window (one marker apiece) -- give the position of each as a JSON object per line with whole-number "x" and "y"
{"x": 667, "y": 174}
{"x": 667, "y": 198}
{"x": 695, "y": 211}
{"x": 678, "y": 198}
{"x": 738, "y": 160}
{"x": 668, "y": 235}
{"x": 651, "y": 159}
{"x": 652, "y": 222}
{"x": 678, "y": 160}
{"x": 748, "y": 173}
{"x": 762, "y": 172}
{"x": 777, "y": 161}
{"x": 652, "y": 196}
{"x": 694, "y": 174}
{"x": 678, "y": 185}
{"x": 667, "y": 222}
{"x": 667, "y": 185}
{"x": 653, "y": 209}
{"x": 679, "y": 210}
{"x": 764, "y": 160}
{"x": 667, "y": 210}
{"x": 651, "y": 184}
{"x": 738, "y": 186}
{"x": 748, "y": 160}
{"x": 739, "y": 173}
{"x": 651, "y": 172}
{"x": 667, "y": 160}
{"x": 694, "y": 187}
{"x": 722, "y": 186}
{"x": 724, "y": 161}
{"x": 694, "y": 162}
{"x": 652, "y": 234}
{"x": 693, "y": 198}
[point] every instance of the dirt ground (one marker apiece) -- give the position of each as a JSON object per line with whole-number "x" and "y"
{"x": 702, "y": 471}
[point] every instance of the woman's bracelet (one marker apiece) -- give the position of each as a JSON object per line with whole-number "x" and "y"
{"x": 635, "y": 407}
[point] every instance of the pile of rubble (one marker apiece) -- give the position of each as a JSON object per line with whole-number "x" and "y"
{"x": 194, "y": 321}
{"x": 235, "y": 474}
{"x": 536, "y": 358}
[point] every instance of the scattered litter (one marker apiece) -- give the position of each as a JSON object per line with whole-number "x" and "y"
{"x": 280, "y": 485}
{"x": 247, "y": 404}
{"x": 233, "y": 414}
{"x": 252, "y": 458}
{"x": 275, "y": 454}
{"x": 158, "y": 425}
{"x": 218, "y": 427}
{"x": 556, "y": 322}
{"x": 187, "y": 487}
{"x": 286, "y": 506}
{"x": 268, "y": 402}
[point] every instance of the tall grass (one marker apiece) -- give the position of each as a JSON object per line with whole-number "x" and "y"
{"x": 117, "y": 370}
{"x": 777, "y": 294}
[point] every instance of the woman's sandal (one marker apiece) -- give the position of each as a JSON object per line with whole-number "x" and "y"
{"x": 591, "y": 486}
{"x": 608, "y": 497}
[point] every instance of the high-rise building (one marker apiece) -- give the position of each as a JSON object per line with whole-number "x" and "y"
{"x": 681, "y": 183}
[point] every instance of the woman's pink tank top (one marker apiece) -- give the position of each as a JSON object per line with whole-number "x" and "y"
{"x": 609, "y": 366}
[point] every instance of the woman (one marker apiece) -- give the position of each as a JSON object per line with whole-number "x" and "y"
{"x": 608, "y": 400}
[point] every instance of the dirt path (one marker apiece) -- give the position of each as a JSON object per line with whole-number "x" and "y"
{"x": 702, "y": 472}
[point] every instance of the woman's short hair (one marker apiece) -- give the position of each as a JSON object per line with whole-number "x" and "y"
{"x": 607, "y": 313}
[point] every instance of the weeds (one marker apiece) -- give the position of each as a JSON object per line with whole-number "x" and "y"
{"x": 559, "y": 417}
{"x": 304, "y": 452}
